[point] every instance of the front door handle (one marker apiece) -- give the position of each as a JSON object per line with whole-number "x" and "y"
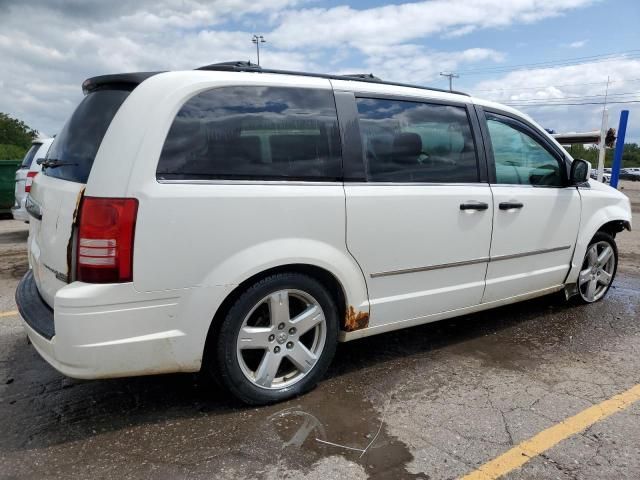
{"x": 510, "y": 205}
{"x": 474, "y": 206}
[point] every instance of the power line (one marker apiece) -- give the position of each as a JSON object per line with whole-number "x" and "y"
{"x": 534, "y": 87}
{"x": 607, "y": 56}
{"x": 561, "y": 62}
{"x": 567, "y": 104}
{"x": 568, "y": 64}
{"x": 575, "y": 97}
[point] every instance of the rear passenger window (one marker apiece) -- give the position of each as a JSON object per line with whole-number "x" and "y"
{"x": 417, "y": 142}
{"x": 254, "y": 133}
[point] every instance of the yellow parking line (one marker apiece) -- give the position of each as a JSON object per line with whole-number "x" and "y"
{"x": 525, "y": 451}
{"x": 8, "y": 314}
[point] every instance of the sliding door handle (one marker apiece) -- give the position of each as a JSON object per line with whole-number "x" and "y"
{"x": 474, "y": 206}
{"x": 510, "y": 205}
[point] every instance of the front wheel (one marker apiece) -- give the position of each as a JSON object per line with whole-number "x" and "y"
{"x": 278, "y": 339}
{"x": 598, "y": 268}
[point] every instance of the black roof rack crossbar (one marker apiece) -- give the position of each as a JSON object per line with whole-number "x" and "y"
{"x": 362, "y": 76}
{"x": 358, "y": 77}
{"x": 239, "y": 66}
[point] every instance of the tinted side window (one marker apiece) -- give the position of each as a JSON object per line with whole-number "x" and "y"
{"x": 416, "y": 142}
{"x": 519, "y": 158}
{"x": 254, "y": 133}
{"x": 77, "y": 143}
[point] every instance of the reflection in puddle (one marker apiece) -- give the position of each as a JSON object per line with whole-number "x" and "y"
{"x": 304, "y": 424}
{"x": 340, "y": 424}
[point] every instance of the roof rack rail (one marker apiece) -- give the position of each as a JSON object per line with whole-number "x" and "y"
{"x": 363, "y": 76}
{"x": 242, "y": 66}
{"x": 237, "y": 66}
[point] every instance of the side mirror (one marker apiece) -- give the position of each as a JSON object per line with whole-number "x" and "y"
{"x": 579, "y": 173}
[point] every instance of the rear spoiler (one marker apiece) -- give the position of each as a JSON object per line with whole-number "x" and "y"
{"x": 127, "y": 81}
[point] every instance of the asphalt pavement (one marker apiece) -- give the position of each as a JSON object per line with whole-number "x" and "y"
{"x": 436, "y": 401}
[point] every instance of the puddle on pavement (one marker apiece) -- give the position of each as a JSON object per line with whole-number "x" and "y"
{"x": 325, "y": 423}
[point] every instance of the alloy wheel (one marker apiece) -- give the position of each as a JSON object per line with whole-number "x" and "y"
{"x": 281, "y": 339}
{"x": 597, "y": 271}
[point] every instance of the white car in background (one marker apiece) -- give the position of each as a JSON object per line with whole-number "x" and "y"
{"x": 242, "y": 221}
{"x": 29, "y": 168}
{"x": 606, "y": 177}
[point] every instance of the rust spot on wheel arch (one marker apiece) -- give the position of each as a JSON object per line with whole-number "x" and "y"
{"x": 355, "y": 320}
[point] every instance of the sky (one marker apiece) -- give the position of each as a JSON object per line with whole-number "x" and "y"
{"x": 536, "y": 55}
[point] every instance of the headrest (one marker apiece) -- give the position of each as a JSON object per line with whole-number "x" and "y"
{"x": 406, "y": 147}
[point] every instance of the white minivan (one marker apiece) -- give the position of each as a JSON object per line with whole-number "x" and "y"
{"x": 25, "y": 174}
{"x": 242, "y": 221}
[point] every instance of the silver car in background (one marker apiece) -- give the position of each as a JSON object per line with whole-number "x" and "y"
{"x": 29, "y": 168}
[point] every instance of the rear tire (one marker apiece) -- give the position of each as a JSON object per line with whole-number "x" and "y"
{"x": 598, "y": 269}
{"x": 277, "y": 340}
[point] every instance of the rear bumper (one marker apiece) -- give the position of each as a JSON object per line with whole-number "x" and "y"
{"x": 19, "y": 211}
{"x": 33, "y": 309}
{"x": 103, "y": 331}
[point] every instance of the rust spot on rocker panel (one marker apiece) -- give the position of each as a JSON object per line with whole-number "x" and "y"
{"x": 355, "y": 320}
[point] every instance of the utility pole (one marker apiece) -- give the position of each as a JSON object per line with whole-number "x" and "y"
{"x": 258, "y": 39}
{"x": 451, "y": 76}
{"x": 603, "y": 134}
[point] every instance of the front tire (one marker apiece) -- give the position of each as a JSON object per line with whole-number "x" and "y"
{"x": 598, "y": 268}
{"x": 277, "y": 340}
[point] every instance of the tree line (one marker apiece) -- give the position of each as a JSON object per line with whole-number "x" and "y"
{"x": 630, "y": 154}
{"x": 15, "y": 137}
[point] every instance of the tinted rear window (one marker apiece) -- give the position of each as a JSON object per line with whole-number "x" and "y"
{"x": 31, "y": 153}
{"x": 254, "y": 133}
{"x": 78, "y": 142}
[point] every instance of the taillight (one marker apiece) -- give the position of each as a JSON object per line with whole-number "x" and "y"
{"x": 29, "y": 181}
{"x": 105, "y": 239}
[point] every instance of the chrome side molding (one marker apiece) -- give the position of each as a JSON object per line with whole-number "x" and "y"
{"x": 474, "y": 261}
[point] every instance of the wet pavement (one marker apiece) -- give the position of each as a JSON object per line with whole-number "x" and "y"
{"x": 436, "y": 401}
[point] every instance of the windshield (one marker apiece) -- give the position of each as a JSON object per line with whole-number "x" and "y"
{"x": 76, "y": 145}
{"x": 28, "y": 158}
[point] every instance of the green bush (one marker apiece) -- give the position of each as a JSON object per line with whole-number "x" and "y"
{"x": 630, "y": 155}
{"x": 11, "y": 152}
{"x": 15, "y": 132}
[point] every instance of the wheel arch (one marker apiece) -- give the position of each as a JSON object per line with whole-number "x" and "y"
{"x": 614, "y": 226}
{"x": 327, "y": 278}
{"x": 612, "y": 220}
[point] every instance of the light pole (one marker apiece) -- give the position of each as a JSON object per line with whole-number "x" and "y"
{"x": 258, "y": 39}
{"x": 451, "y": 76}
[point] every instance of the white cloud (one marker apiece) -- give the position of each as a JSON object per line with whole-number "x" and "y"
{"x": 414, "y": 64}
{"x": 576, "y": 44}
{"x": 582, "y": 83}
{"x": 48, "y": 47}
{"x": 460, "y": 32}
{"x": 395, "y": 24}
